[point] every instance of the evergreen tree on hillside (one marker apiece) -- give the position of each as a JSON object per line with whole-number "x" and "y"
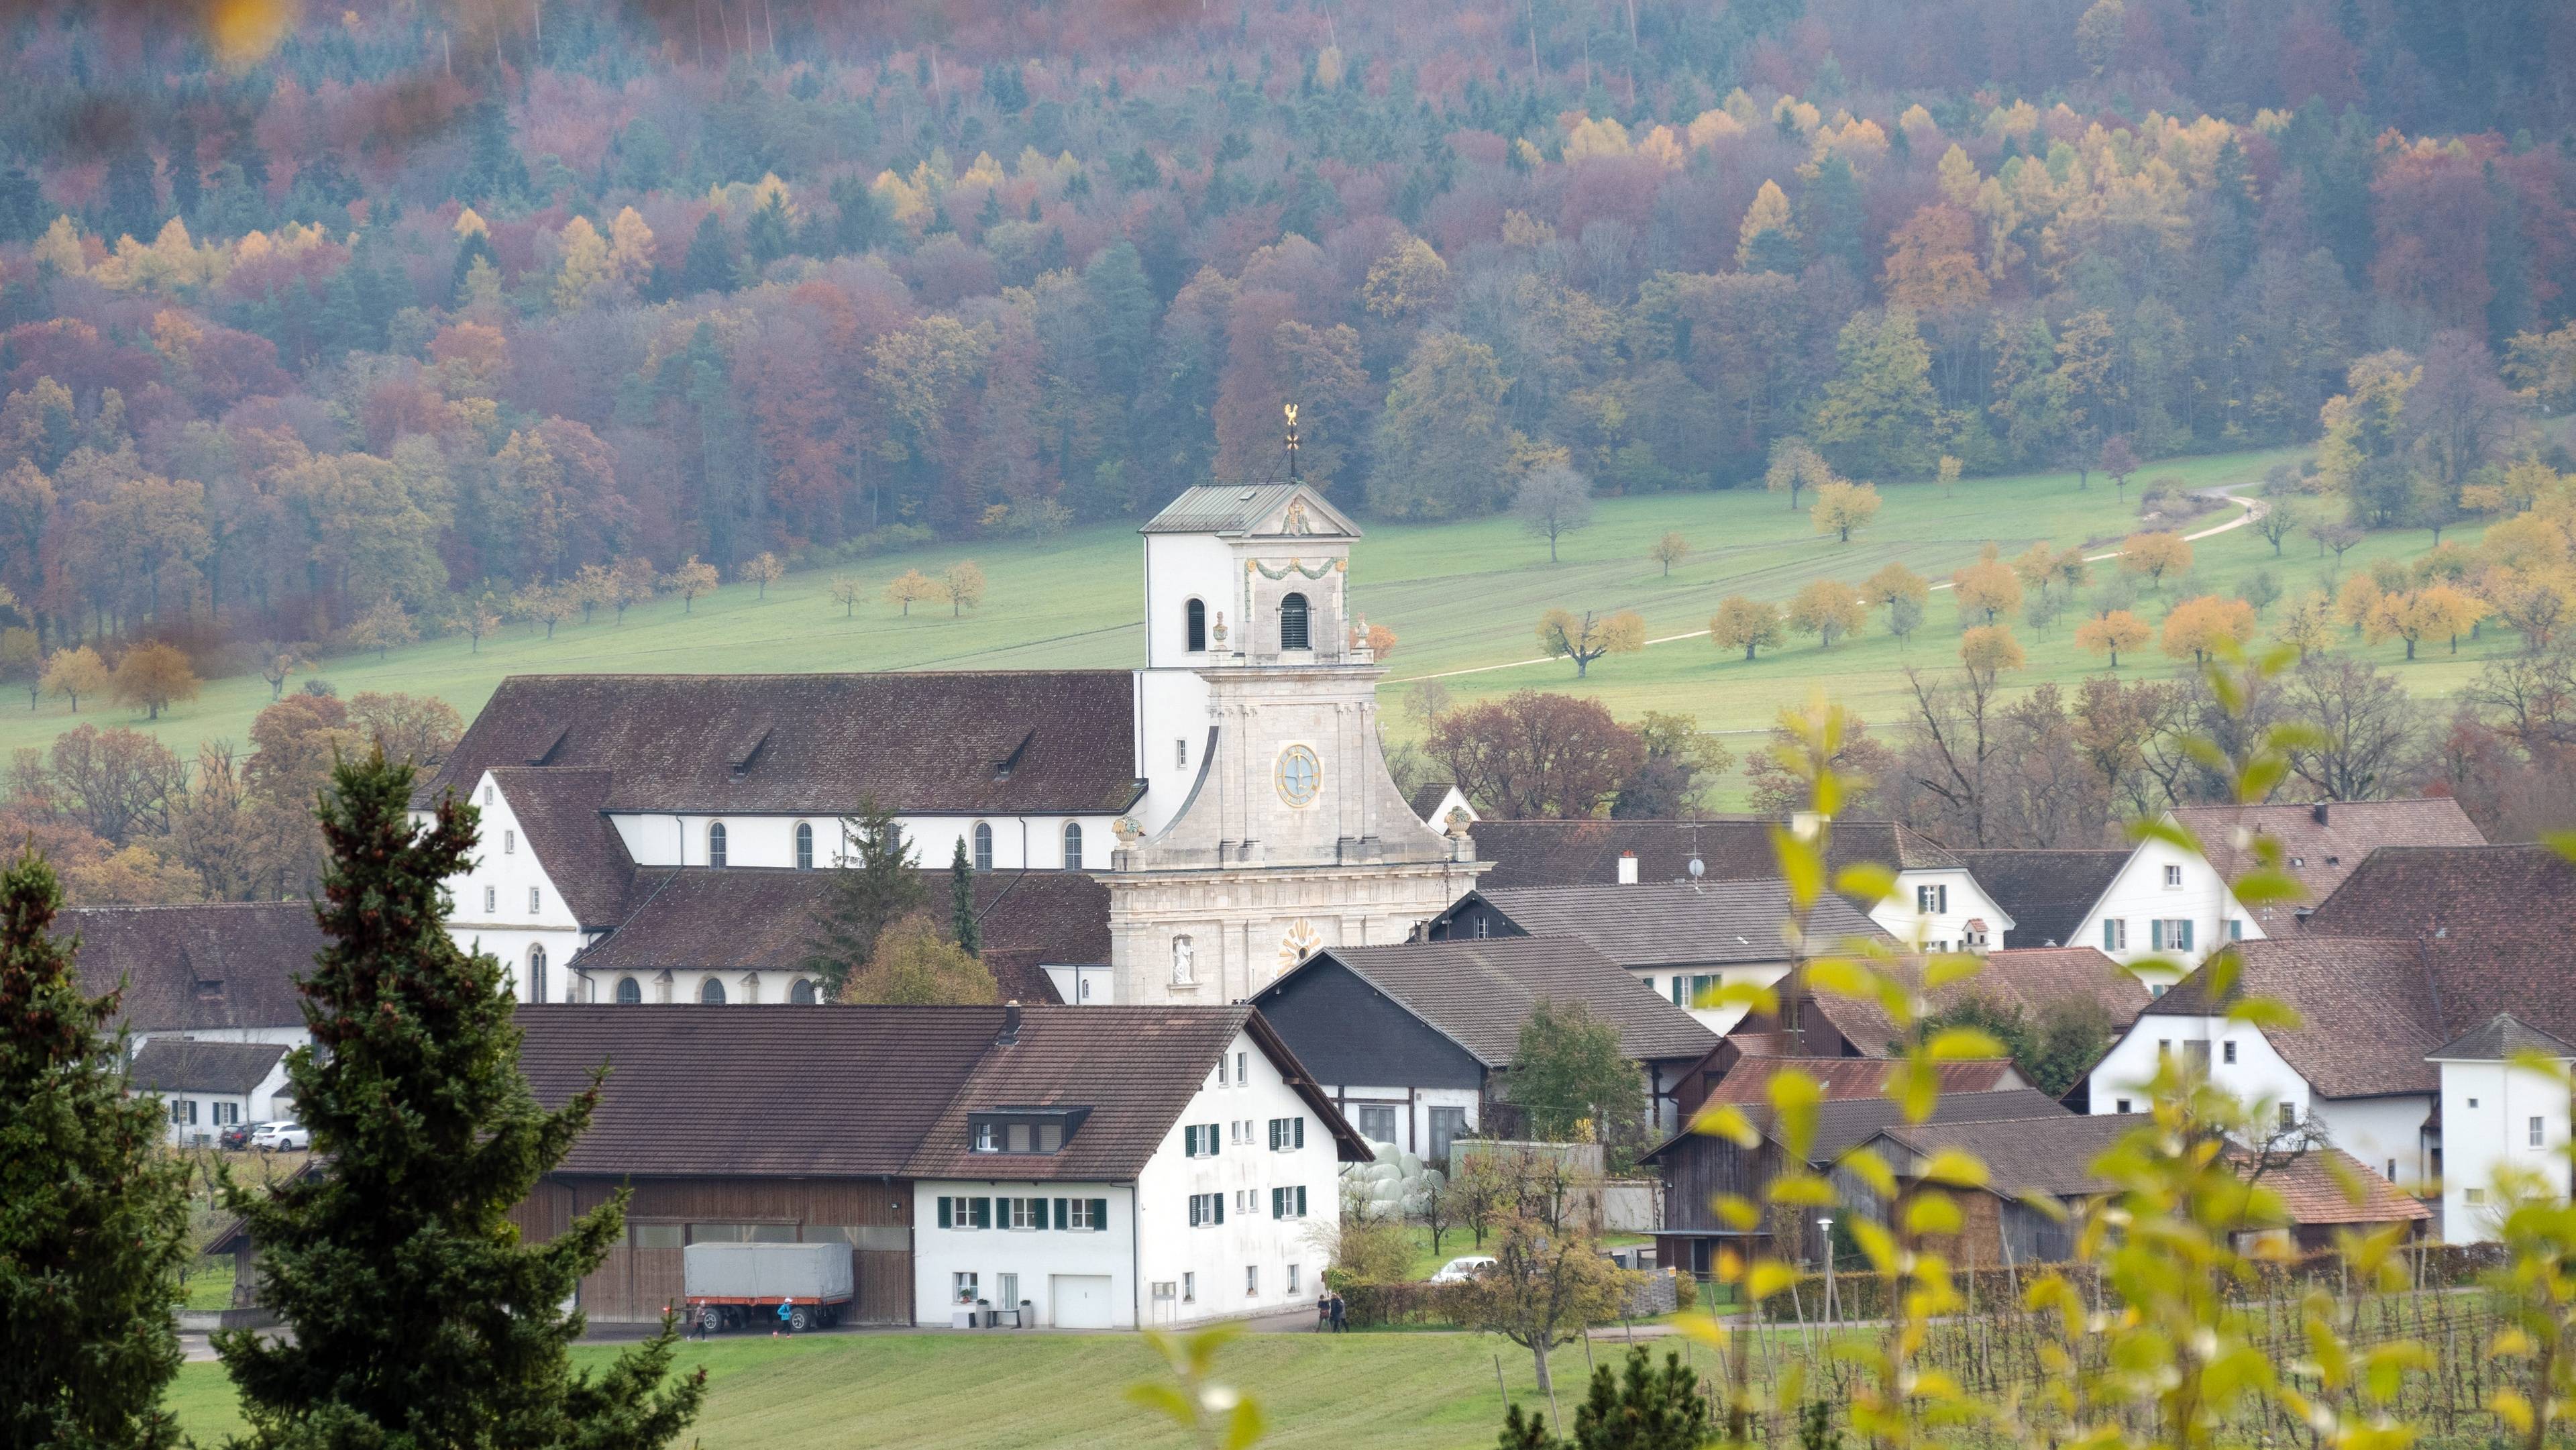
{"x": 872, "y": 885}
{"x": 710, "y": 265}
{"x": 494, "y": 174}
{"x": 418, "y": 1316}
{"x": 961, "y": 902}
{"x": 95, "y": 1218}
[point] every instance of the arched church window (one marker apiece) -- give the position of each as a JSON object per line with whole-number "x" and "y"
{"x": 1292, "y": 623}
{"x": 536, "y": 974}
{"x": 983, "y": 846}
{"x": 711, "y": 992}
{"x": 1073, "y": 845}
{"x": 802, "y": 994}
{"x": 630, "y": 992}
{"x": 716, "y": 844}
{"x": 804, "y": 845}
{"x": 1196, "y": 613}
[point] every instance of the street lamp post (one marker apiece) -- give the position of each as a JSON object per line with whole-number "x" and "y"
{"x": 1826, "y": 1223}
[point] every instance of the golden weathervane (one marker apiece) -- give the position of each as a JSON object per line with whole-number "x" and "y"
{"x": 1291, "y": 409}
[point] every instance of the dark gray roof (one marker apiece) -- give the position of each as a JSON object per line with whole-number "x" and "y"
{"x": 2050, "y": 1154}
{"x": 1058, "y": 741}
{"x": 197, "y": 968}
{"x": 2046, "y": 893}
{"x": 1711, "y": 923}
{"x": 2367, "y": 1008}
{"x": 562, "y": 811}
{"x": 1730, "y": 848}
{"x": 177, "y": 1065}
{"x": 2499, "y": 1039}
{"x": 1478, "y": 993}
{"x": 841, "y": 1092}
{"x": 1236, "y": 508}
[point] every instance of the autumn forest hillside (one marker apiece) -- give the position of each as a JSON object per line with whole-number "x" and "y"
{"x": 419, "y": 325}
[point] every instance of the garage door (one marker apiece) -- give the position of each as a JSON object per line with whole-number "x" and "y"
{"x": 1081, "y": 1300}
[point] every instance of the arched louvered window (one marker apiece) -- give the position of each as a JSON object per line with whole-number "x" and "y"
{"x": 983, "y": 846}
{"x": 711, "y": 992}
{"x": 804, "y": 845}
{"x": 716, "y": 844}
{"x": 802, "y": 994}
{"x": 537, "y": 974}
{"x": 630, "y": 992}
{"x": 1293, "y": 633}
{"x": 1073, "y": 845}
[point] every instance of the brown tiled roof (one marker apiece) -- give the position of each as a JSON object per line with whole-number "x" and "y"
{"x": 2494, "y": 921}
{"x": 174, "y": 1065}
{"x": 1478, "y": 993}
{"x": 562, "y": 810}
{"x": 2502, "y": 1038}
{"x": 2366, "y": 1005}
{"x": 198, "y": 968}
{"x": 2310, "y": 1192}
{"x": 754, "y": 918}
{"x": 1136, "y": 1068}
{"x": 2046, "y": 893}
{"x": 1730, "y": 848}
{"x": 2049, "y": 1153}
{"x": 867, "y": 1091}
{"x": 2031, "y": 978}
{"x": 1845, "y": 1124}
{"x": 1855, "y": 1077}
{"x": 2322, "y": 844}
{"x": 1713, "y": 923}
{"x": 1033, "y": 742}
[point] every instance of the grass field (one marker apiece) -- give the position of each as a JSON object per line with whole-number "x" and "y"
{"x": 1462, "y": 597}
{"x": 1003, "y": 1391}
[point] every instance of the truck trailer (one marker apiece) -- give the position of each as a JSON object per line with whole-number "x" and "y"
{"x": 730, "y": 1286}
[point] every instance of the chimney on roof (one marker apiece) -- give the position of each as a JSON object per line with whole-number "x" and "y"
{"x": 1010, "y": 1025}
{"x": 2318, "y": 811}
{"x": 1627, "y": 868}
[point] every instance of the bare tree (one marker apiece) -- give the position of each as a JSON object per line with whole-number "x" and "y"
{"x": 1552, "y": 502}
{"x": 2364, "y": 724}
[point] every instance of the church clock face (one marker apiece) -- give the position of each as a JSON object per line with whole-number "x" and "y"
{"x": 1300, "y": 775}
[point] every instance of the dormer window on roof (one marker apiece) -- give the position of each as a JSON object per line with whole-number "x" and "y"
{"x": 1023, "y": 1130}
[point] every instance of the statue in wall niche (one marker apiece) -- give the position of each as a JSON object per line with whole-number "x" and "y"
{"x": 1183, "y": 960}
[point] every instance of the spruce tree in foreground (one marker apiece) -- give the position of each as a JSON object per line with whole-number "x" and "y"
{"x": 418, "y": 1317}
{"x": 93, "y": 1214}
{"x": 872, "y": 885}
{"x": 961, "y": 903}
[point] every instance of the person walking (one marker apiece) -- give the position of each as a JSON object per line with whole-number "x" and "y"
{"x": 1341, "y": 1314}
{"x": 786, "y": 1318}
{"x": 1323, "y": 1310}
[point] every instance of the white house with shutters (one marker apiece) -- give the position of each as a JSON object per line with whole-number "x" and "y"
{"x": 2156, "y": 908}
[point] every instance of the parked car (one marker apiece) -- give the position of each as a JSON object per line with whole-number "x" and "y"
{"x": 281, "y": 1137}
{"x": 1459, "y": 1270}
{"x": 238, "y": 1135}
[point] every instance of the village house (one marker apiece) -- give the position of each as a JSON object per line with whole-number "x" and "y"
{"x": 2039, "y": 1176}
{"x": 222, "y": 972}
{"x": 1682, "y": 940}
{"x": 2152, "y": 902}
{"x": 1098, "y": 1167}
{"x": 1415, "y": 1043}
{"x": 1229, "y": 797}
{"x": 1937, "y": 900}
{"x": 206, "y": 1087}
{"x": 2322, "y": 843}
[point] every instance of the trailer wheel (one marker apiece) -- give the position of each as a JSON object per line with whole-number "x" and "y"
{"x": 710, "y": 1318}
{"x": 799, "y": 1319}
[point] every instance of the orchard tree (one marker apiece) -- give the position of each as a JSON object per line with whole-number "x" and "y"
{"x": 72, "y": 673}
{"x": 1554, "y": 501}
{"x": 2155, "y": 556}
{"x": 1669, "y": 550}
{"x": 2119, "y": 461}
{"x": 847, "y": 591}
{"x": 1536, "y": 754}
{"x": 689, "y": 581}
{"x": 2277, "y": 520}
{"x": 1587, "y": 637}
{"x": 1900, "y": 591}
{"x": 1989, "y": 649}
{"x": 542, "y": 604}
{"x": 762, "y": 569}
{"x": 962, "y": 586}
{"x": 277, "y": 662}
{"x": 1794, "y": 468}
{"x": 633, "y": 582}
{"x": 97, "y": 1224}
{"x": 2308, "y": 626}
{"x": 154, "y": 676}
{"x": 1842, "y": 507}
{"x": 909, "y": 586}
{"x": 417, "y": 1312}
{"x": 1827, "y": 609}
{"x": 1745, "y": 624}
{"x": 1987, "y": 589}
{"x": 481, "y": 620}
{"x": 2202, "y": 627}
{"x": 382, "y": 627}
{"x": 2112, "y": 633}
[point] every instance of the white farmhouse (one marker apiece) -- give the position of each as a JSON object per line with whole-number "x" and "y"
{"x": 2500, "y": 1118}
{"x": 2152, "y": 902}
{"x": 206, "y": 1087}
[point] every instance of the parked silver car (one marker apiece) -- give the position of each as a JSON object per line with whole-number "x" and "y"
{"x": 282, "y": 1137}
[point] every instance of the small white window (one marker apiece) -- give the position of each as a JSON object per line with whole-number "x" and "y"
{"x": 2227, "y": 1050}
{"x": 1931, "y": 900}
{"x": 2474, "y": 1195}
{"x": 1242, "y": 1077}
{"x": 2121, "y": 1106}
{"x": 1220, "y": 1069}
{"x": 487, "y": 796}
{"x": 509, "y": 843}
{"x": 988, "y": 1137}
{"x": 2289, "y": 1116}
{"x": 1181, "y": 754}
{"x": 964, "y": 1287}
{"x": 2537, "y": 1132}
{"x": 1190, "y": 1287}
{"x": 1293, "y": 1288}
{"x": 2473, "y": 1102}
{"x": 535, "y": 901}
{"x": 1251, "y": 1281}
{"x": 491, "y": 900}
{"x": 2173, "y": 876}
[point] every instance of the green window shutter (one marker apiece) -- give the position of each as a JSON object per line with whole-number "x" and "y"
{"x": 943, "y": 1213}
{"x": 1300, "y": 1120}
{"x": 2185, "y": 924}
{"x": 1220, "y": 1206}
{"x": 1214, "y": 1142}
{"x": 979, "y": 1212}
{"x": 1100, "y": 1213}
{"x": 2108, "y": 944}
{"x": 1059, "y": 1213}
{"x": 1301, "y": 1200}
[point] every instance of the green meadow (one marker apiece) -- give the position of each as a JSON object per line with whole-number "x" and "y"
{"x": 1463, "y": 598}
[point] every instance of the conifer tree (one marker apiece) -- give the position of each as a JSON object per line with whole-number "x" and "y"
{"x": 961, "y": 902}
{"x": 418, "y": 1315}
{"x": 872, "y": 885}
{"x": 95, "y": 1216}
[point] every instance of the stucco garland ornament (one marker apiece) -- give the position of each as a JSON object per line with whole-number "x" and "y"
{"x": 1295, "y": 566}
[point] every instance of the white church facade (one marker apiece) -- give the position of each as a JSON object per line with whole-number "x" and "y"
{"x": 1225, "y": 810}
